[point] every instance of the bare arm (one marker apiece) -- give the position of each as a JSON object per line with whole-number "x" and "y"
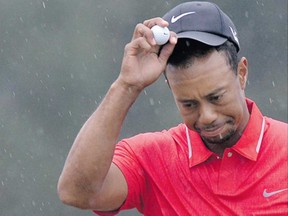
{"x": 89, "y": 179}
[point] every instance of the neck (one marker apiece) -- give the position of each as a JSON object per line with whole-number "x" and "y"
{"x": 219, "y": 148}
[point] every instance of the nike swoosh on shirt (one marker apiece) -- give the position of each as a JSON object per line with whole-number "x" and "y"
{"x": 175, "y": 19}
{"x": 272, "y": 193}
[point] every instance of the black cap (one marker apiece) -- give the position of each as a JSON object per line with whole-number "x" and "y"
{"x": 202, "y": 21}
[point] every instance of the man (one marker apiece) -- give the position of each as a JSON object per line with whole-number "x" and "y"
{"x": 226, "y": 159}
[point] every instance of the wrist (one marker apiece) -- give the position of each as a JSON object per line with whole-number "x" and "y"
{"x": 125, "y": 94}
{"x": 127, "y": 88}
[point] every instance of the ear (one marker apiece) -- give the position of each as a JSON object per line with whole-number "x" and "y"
{"x": 242, "y": 72}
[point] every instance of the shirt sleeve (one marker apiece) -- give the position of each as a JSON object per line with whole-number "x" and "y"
{"x": 124, "y": 157}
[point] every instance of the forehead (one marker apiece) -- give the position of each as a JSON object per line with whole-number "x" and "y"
{"x": 212, "y": 66}
{"x": 203, "y": 77}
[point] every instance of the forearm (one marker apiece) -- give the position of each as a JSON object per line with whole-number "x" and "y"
{"x": 91, "y": 154}
{"x": 84, "y": 178}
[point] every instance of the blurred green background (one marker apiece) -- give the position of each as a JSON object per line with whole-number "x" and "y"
{"x": 59, "y": 57}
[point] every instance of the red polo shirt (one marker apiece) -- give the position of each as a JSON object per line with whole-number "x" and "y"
{"x": 173, "y": 173}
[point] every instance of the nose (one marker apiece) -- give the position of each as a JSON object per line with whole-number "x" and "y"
{"x": 207, "y": 115}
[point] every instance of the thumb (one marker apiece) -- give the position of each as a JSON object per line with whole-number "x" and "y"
{"x": 167, "y": 50}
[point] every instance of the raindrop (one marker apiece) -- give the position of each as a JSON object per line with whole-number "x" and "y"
{"x": 151, "y": 101}
{"x": 270, "y": 100}
{"x": 273, "y": 83}
{"x": 43, "y": 3}
{"x": 246, "y": 14}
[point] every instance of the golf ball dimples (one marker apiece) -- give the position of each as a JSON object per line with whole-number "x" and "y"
{"x": 161, "y": 34}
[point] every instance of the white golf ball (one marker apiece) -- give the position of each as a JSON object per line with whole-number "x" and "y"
{"x": 161, "y": 34}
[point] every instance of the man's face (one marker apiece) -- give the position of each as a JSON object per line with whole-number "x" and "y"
{"x": 210, "y": 98}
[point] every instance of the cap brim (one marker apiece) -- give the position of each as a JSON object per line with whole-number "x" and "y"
{"x": 204, "y": 37}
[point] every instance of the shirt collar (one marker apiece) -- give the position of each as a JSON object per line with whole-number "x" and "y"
{"x": 248, "y": 145}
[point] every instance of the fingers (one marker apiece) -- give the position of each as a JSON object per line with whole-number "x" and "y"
{"x": 155, "y": 21}
{"x": 167, "y": 50}
{"x": 143, "y": 39}
{"x": 139, "y": 45}
{"x": 144, "y": 29}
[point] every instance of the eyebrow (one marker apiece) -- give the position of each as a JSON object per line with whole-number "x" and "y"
{"x": 215, "y": 92}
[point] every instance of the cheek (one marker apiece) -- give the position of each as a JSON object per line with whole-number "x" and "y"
{"x": 189, "y": 120}
{"x": 233, "y": 110}
{"x": 233, "y": 102}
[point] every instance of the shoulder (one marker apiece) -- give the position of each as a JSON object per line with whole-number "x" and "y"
{"x": 149, "y": 138}
{"x": 275, "y": 137}
{"x": 276, "y": 128}
{"x": 165, "y": 141}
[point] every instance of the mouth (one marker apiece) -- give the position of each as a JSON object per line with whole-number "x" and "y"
{"x": 212, "y": 131}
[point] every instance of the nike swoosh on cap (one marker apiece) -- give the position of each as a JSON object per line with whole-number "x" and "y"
{"x": 234, "y": 33}
{"x": 175, "y": 19}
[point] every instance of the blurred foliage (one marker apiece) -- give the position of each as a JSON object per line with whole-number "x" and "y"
{"x": 58, "y": 58}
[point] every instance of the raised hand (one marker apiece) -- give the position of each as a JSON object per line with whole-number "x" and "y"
{"x": 142, "y": 63}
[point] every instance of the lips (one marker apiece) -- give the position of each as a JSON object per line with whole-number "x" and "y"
{"x": 212, "y": 131}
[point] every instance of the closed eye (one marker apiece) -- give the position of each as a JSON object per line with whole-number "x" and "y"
{"x": 215, "y": 98}
{"x": 189, "y": 104}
